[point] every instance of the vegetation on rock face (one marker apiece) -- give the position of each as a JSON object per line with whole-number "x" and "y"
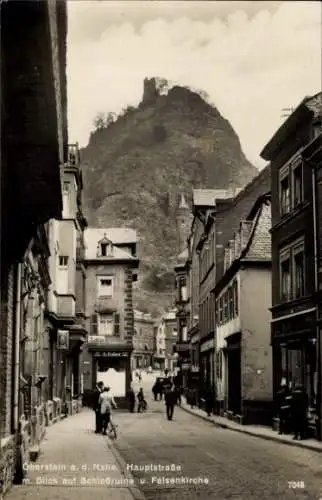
{"x": 136, "y": 164}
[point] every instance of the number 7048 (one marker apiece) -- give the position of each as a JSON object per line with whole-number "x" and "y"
{"x": 296, "y": 484}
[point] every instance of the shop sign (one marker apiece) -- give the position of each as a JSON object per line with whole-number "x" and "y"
{"x": 96, "y": 339}
{"x": 209, "y": 344}
{"x": 195, "y": 369}
{"x": 62, "y": 340}
{"x": 185, "y": 366}
{"x": 111, "y": 354}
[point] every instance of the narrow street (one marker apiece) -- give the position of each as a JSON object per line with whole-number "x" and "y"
{"x": 204, "y": 461}
{"x": 236, "y": 465}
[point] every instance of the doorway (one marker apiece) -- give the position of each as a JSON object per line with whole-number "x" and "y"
{"x": 234, "y": 376}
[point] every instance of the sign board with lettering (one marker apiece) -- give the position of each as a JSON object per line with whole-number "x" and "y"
{"x": 96, "y": 339}
{"x": 111, "y": 354}
{"x": 62, "y": 340}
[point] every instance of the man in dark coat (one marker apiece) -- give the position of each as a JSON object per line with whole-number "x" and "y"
{"x": 283, "y": 408}
{"x": 299, "y": 407}
{"x": 131, "y": 397}
{"x": 170, "y": 401}
{"x": 209, "y": 400}
{"x": 96, "y": 407}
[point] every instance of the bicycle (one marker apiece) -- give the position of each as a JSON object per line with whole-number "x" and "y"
{"x": 112, "y": 430}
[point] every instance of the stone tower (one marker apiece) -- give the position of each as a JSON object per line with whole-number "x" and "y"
{"x": 183, "y": 223}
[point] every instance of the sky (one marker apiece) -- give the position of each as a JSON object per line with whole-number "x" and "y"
{"x": 254, "y": 59}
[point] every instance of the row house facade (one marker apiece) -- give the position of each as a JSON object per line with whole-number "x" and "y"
{"x": 243, "y": 299}
{"x": 312, "y": 156}
{"x": 33, "y": 147}
{"x": 167, "y": 331}
{"x": 111, "y": 267}
{"x": 159, "y": 347}
{"x": 65, "y": 322}
{"x": 182, "y": 302}
{"x": 295, "y": 331}
{"x": 205, "y": 206}
{"x": 143, "y": 340}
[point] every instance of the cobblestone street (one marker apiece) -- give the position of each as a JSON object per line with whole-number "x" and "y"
{"x": 236, "y": 465}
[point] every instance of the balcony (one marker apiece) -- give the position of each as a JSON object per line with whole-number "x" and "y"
{"x": 66, "y": 306}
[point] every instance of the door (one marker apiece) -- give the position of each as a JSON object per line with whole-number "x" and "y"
{"x": 234, "y": 380}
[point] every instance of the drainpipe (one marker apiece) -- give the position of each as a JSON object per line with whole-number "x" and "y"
{"x": 17, "y": 353}
{"x": 316, "y": 287}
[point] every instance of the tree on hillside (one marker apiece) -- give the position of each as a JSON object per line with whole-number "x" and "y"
{"x": 99, "y": 121}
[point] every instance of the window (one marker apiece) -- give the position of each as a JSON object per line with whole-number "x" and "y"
{"x": 285, "y": 195}
{"x": 298, "y": 185}
{"x": 62, "y": 277}
{"x": 226, "y": 306}
{"x": 286, "y": 279}
{"x": 105, "y": 287}
{"x": 105, "y": 326}
{"x": 63, "y": 261}
{"x": 299, "y": 274}
{"x": 221, "y": 310}
{"x": 231, "y": 302}
{"x": 103, "y": 249}
{"x": 66, "y": 199}
{"x": 235, "y": 293}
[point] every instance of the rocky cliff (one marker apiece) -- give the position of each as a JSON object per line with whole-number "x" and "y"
{"x": 136, "y": 167}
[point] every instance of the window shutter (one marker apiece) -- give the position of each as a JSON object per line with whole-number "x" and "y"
{"x": 94, "y": 324}
{"x": 116, "y": 324}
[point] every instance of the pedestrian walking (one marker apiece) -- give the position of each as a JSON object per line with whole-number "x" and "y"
{"x": 170, "y": 401}
{"x": 141, "y": 401}
{"x": 107, "y": 403}
{"x": 96, "y": 407}
{"x": 299, "y": 408}
{"x": 131, "y": 398}
{"x": 209, "y": 400}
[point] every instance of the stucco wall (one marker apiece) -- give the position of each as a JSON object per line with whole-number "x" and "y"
{"x": 255, "y": 301}
{"x": 119, "y": 288}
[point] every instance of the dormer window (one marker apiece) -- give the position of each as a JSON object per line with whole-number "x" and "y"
{"x": 104, "y": 247}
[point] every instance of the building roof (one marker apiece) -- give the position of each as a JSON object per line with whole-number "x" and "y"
{"x": 183, "y": 256}
{"x": 116, "y": 254}
{"x": 258, "y": 247}
{"x": 118, "y": 235}
{"x": 259, "y": 244}
{"x": 207, "y": 197}
{"x": 309, "y": 107}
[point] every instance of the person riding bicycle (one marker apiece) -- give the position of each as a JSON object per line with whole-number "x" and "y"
{"x": 142, "y": 403}
{"x": 107, "y": 402}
